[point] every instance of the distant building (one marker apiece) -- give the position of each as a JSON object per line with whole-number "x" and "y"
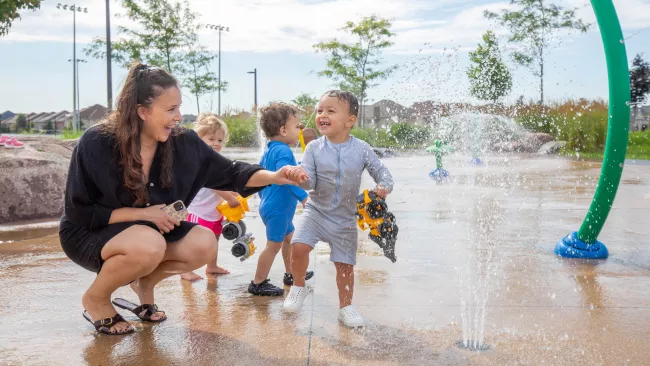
{"x": 6, "y": 115}
{"x": 641, "y": 120}
{"x": 92, "y": 115}
{"x": 383, "y": 113}
{"x": 189, "y": 118}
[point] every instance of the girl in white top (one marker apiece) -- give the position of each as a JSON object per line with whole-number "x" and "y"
{"x": 203, "y": 209}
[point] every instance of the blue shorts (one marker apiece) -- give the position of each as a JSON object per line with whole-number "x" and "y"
{"x": 278, "y": 226}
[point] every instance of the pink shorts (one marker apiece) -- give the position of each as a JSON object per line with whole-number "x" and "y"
{"x": 215, "y": 226}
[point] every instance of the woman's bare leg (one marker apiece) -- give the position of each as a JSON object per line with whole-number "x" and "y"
{"x": 133, "y": 253}
{"x": 181, "y": 256}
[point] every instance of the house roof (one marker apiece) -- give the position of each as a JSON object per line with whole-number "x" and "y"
{"x": 10, "y": 121}
{"x": 7, "y": 115}
{"x": 387, "y": 109}
{"x": 32, "y": 117}
{"x": 93, "y": 113}
{"x": 59, "y": 116}
{"x": 43, "y": 118}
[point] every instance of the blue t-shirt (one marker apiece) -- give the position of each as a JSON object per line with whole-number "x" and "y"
{"x": 279, "y": 199}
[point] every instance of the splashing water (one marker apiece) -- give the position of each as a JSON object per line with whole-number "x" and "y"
{"x": 483, "y": 229}
{"x": 477, "y": 132}
{"x": 261, "y": 139}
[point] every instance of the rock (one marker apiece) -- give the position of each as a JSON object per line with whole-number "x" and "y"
{"x": 32, "y": 182}
{"x": 533, "y": 141}
{"x": 551, "y": 147}
{"x": 383, "y": 153}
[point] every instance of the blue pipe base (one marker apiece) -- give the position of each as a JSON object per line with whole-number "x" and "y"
{"x": 476, "y": 161}
{"x": 572, "y": 247}
{"x": 439, "y": 174}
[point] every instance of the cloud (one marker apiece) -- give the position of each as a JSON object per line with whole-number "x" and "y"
{"x": 295, "y": 25}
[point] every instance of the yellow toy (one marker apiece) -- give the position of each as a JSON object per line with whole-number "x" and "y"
{"x": 306, "y": 136}
{"x": 235, "y": 228}
{"x": 372, "y": 213}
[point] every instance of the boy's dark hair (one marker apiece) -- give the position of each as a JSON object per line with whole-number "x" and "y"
{"x": 274, "y": 116}
{"x": 346, "y": 96}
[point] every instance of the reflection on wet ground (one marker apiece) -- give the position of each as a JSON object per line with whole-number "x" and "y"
{"x": 541, "y": 309}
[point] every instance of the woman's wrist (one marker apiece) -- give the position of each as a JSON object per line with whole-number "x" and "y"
{"x": 126, "y": 214}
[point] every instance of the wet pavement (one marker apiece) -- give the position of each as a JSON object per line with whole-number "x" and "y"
{"x": 497, "y": 224}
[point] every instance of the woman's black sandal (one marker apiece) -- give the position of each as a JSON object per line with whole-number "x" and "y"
{"x": 104, "y": 325}
{"x": 138, "y": 310}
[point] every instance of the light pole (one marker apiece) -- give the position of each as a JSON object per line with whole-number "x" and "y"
{"x": 74, "y": 10}
{"x": 219, "y": 28}
{"x": 109, "y": 72}
{"x": 254, "y": 72}
{"x": 78, "y": 91}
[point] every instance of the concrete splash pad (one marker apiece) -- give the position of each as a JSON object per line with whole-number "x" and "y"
{"x": 541, "y": 309}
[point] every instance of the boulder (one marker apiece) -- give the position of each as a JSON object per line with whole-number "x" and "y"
{"x": 533, "y": 141}
{"x": 551, "y": 147}
{"x": 32, "y": 179}
{"x": 528, "y": 143}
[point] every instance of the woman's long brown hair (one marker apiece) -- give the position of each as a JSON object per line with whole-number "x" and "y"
{"x": 142, "y": 86}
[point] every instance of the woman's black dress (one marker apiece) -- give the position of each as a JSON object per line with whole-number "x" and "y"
{"x": 95, "y": 187}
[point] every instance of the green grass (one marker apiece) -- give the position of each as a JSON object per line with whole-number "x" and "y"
{"x": 638, "y": 148}
{"x": 68, "y": 134}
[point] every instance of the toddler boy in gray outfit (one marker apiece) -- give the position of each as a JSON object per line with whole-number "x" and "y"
{"x": 334, "y": 164}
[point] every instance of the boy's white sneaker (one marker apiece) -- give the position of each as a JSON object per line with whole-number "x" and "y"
{"x": 295, "y": 298}
{"x": 350, "y": 317}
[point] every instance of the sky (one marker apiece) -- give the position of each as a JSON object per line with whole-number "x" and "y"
{"x": 276, "y": 37}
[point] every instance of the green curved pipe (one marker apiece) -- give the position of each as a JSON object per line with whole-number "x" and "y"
{"x": 618, "y": 123}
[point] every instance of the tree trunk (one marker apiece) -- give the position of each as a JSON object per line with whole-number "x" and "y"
{"x": 198, "y": 110}
{"x": 361, "y": 112}
{"x": 169, "y": 64}
{"x": 541, "y": 77}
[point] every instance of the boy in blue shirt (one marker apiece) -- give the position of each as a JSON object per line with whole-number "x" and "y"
{"x": 280, "y": 124}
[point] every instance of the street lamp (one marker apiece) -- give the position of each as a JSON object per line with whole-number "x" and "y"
{"x": 109, "y": 58}
{"x": 79, "y": 90}
{"x": 74, "y": 9}
{"x": 220, "y": 28}
{"x": 254, "y": 72}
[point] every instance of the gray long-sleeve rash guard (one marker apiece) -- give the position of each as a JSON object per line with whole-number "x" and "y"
{"x": 335, "y": 176}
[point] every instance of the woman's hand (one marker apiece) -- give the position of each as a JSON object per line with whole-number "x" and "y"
{"x": 288, "y": 174}
{"x": 160, "y": 218}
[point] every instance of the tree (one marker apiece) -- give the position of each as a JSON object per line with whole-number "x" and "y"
{"x": 9, "y": 12}
{"x": 352, "y": 66}
{"x": 21, "y": 123}
{"x": 488, "y": 75}
{"x": 639, "y": 84}
{"x": 307, "y": 103}
{"x": 532, "y": 26}
{"x": 197, "y": 76}
{"x": 162, "y": 31}
{"x": 49, "y": 126}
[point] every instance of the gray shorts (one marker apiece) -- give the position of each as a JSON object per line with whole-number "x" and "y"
{"x": 314, "y": 227}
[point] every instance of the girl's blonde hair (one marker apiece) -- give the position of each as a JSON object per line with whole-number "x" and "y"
{"x": 208, "y": 124}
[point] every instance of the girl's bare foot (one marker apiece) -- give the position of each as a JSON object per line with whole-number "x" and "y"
{"x": 214, "y": 270}
{"x": 145, "y": 294}
{"x": 190, "y": 276}
{"x": 101, "y": 308}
